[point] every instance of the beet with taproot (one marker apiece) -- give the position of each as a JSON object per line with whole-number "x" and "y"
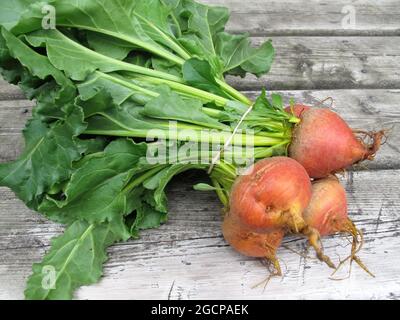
{"x": 273, "y": 196}
{"x": 323, "y": 143}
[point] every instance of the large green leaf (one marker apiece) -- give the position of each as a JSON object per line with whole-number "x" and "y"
{"x": 12, "y": 10}
{"x": 98, "y": 191}
{"x": 37, "y": 77}
{"x": 75, "y": 259}
{"x": 109, "y": 86}
{"x": 141, "y": 23}
{"x": 159, "y": 182}
{"x": 240, "y": 57}
{"x": 203, "y": 24}
{"x": 199, "y": 74}
{"x": 37, "y": 64}
{"x": 49, "y": 153}
{"x": 78, "y": 61}
{"x": 109, "y": 46}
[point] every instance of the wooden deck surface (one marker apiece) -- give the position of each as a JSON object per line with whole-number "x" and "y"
{"x": 187, "y": 258}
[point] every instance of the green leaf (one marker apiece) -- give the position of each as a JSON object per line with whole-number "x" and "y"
{"x": 49, "y": 153}
{"x": 96, "y": 191}
{"x": 96, "y": 84}
{"x": 75, "y": 259}
{"x": 147, "y": 218}
{"x": 159, "y": 182}
{"x": 142, "y": 23}
{"x": 12, "y": 10}
{"x": 78, "y": 61}
{"x": 170, "y": 106}
{"x": 153, "y": 16}
{"x": 166, "y": 66}
{"x": 70, "y": 56}
{"x": 37, "y": 64}
{"x": 33, "y": 72}
{"x": 240, "y": 57}
{"x": 203, "y": 24}
{"x": 199, "y": 74}
{"x": 109, "y": 46}
{"x": 277, "y": 101}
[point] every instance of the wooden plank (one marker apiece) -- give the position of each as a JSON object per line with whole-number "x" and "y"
{"x": 13, "y": 117}
{"x": 329, "y": 63}
{"x": 369, "y": 110}
{"x": 188, "y": 259}
{"x": 312, "y": 17}
{"x": 317, "y": 63}
{"x": 9, "y": 92}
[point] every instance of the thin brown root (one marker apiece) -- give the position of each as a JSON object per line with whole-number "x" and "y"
{"x": 274, "y": 268}
{"x": 303, "y": 255}
{"x": 315, "y": 241}
{"x": 375, "y": 143}
{"x": 297, "y": 225}
{"x": 356, "y": 247}
{"x": 322, "y": 103}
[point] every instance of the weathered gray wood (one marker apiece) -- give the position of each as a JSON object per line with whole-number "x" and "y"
{"x": 312, "y": 17}
{"x": 330, "y": 63}
{"x": 317, "y": 63}
{"x": 370, "y": 110}
{"x": 9, "y": 92}
{"x": 188, "y": 259}
{"x": 13, "y": 117}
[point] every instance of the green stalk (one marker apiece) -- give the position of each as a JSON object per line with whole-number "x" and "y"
{"x": 214, "y": 113}
{"x": 220, "y": 193}
{"x": 189, "y": 91}
{"x": 271, "y": 151}
{"x": 194, "y": 92}
{"x": 234, "y": 93}
{"x": 201, "y": 137}
{"x": 229, "y": 171}
{"x": 138, "y": 181}
{"x": 209, "y": 111}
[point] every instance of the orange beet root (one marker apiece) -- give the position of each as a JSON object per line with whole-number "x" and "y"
{"x": 328, "y": 213}
{"x": 250, "y": 243}
{"x": 273, "y": 196}
{"x": 323, "y": 143}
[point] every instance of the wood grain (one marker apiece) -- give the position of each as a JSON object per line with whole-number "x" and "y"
{"x": 329, "y": 63}
{"x": 188, "y": 259}
{"x": 312, "y": 17}
{"x": 9, "y": 92}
